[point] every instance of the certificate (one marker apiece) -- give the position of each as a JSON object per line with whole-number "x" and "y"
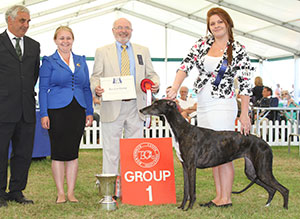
{"x": 118, "y": 88}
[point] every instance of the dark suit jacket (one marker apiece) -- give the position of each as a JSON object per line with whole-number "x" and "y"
{"x": 17, "y": 80}
{"x": 270, "y": 102}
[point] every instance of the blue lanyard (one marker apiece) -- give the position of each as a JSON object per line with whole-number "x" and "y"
{"x": 221, "y": 72}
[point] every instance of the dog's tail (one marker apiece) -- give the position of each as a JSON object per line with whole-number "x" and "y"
{"x": 247, "y": 187}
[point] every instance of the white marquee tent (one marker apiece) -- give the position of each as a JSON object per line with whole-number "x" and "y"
{"x": 270, "y": 30}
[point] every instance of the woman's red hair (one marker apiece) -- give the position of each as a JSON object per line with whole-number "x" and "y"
{"x": 229, "y": 24}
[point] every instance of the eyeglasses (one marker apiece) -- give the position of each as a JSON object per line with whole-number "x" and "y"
{"x": 284, "y": 94}
{"x": 122, "y": 28}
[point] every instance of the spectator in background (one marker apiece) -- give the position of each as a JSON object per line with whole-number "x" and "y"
{"x": 292, "y": 93}
{"x": 268, "y": 101}
{"x": 96, "y": 106}
{"x": 257, "y": 90}
{"x": 187, "y": 105}
{"x": 165, "y": 95}
{"x": 285, "y": 96}
{"x": 278, "y": 91}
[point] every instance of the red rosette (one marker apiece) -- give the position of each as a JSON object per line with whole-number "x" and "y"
{"x": 146, "y": 84}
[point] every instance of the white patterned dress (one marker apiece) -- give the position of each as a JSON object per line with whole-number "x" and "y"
{"x": 217, "y": 107}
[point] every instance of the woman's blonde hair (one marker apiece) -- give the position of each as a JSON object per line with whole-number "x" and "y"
{"x": 66, "y": 28}
{"x": 258, "y": 81}
{"x": 283, "y": 92}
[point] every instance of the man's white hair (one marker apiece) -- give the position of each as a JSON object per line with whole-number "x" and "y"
{"x": 13, "y": 11}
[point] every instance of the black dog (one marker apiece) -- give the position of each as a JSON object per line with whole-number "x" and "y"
{"x": 203, "y": 148}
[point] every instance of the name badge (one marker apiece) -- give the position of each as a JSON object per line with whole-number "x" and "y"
{"x": 140, "y": 59}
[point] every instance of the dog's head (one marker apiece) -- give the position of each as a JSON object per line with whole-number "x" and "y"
{"x": 159, "y": 107}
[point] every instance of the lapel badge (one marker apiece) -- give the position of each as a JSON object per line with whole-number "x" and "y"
{"x": 78, "y": 65}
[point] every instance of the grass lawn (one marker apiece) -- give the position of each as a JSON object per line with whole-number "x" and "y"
{"x": 250, "y": 204}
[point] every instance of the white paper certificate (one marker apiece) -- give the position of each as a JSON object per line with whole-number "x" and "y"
{"x": 118, "y": 88}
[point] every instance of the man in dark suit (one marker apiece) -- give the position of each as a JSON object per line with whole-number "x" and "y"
{"x": 268, "y": 101}
{"x": 19, "y": 69}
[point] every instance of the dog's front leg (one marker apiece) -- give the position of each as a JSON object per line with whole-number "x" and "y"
{"x": 192, "y": 185}
{"x": 186, "y": 187}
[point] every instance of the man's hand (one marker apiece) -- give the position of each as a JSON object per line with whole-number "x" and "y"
{"x": 99, "y": 91}
{"x": 155, "y": 88}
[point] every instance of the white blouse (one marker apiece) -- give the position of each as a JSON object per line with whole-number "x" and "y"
{"x": 71, "y": 62}
{"x": 205, "y": 101}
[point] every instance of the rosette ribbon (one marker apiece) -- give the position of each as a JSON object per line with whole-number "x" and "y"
{"x": 146, "y": 86}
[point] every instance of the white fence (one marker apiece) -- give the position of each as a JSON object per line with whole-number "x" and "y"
{"x": 274, "y": 134}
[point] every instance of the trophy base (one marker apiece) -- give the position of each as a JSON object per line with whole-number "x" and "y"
{"x": 108, "y": 206}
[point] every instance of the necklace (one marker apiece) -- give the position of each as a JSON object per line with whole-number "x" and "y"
{"x": 220, "y": 48}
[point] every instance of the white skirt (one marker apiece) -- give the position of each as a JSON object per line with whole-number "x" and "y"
{"x": 215, "y": 113}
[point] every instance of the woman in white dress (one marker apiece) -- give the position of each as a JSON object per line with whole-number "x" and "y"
{"x": 219, "y": 59}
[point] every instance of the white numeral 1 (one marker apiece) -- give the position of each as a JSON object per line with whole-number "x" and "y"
{"x": 149, "y": 189}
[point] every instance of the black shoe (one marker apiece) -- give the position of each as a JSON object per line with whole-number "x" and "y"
{"x": 224, "y": 206}
{"x": 208, "y": 204}
{"x": 3, "y": 203}
{"x": 21, "y": 200}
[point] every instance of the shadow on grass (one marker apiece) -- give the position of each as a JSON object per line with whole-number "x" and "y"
{"x": 41, "y": 188}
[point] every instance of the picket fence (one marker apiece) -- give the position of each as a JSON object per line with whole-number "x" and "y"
{"x": 275, "y": 134}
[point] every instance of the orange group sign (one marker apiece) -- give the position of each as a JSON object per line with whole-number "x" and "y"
{"x": 147, "y": 171}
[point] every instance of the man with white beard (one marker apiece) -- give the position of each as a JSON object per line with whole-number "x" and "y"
{"x": 117, "y": 115}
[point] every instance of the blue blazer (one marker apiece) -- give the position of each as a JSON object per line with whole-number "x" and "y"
{"x": 58, "y": 84}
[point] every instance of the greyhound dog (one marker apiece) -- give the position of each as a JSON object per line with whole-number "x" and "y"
{"x": 204, "y": 148}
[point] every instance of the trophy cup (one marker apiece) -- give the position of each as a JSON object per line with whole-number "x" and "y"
{"x": 107, "y": 186}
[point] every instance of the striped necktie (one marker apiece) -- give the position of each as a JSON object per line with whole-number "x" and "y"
{"x": 18, "y": 48}
{"x": 125, "y": 65}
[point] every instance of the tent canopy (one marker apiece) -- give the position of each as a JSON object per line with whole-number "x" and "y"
{"x": 269, "y": 28}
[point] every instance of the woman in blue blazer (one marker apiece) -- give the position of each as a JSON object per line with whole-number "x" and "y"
{"x": 65, "y": 107}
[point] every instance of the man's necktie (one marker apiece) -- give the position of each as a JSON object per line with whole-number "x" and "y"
{"x": 125, "y": 65}
{"x": 18, "y": 48}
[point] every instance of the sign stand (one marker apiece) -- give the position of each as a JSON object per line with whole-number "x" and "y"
{"x": 147, "y": 171}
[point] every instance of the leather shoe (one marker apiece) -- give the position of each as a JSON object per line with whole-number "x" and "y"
{"x": 208, "y": 204}
{"x": 3, "y": 203}
{"x": 60, "y": 202}
{"x": 224, "y": 206}
{"x": 22, "y": 200}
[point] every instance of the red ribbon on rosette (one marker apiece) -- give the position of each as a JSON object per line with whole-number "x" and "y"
{"x": 146, "y": 86}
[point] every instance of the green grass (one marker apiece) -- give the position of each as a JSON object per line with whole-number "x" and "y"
{"x": 41, "y": 189}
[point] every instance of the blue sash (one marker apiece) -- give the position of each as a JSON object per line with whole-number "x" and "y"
{"x": 221, "y": 72}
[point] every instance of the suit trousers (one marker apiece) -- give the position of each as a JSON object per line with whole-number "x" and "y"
{"x": 133, "y": 126}
{"x": 22, "y": 136}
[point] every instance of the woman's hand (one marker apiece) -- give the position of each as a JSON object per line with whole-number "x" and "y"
{"x": 245, "y": 124}
{"x": 244, "y": 117}
{"x": 88, "y": 120}
{"x": 291, "y": 102}
{"x": 171, "y": 93}
{"x": 45, "y": 122}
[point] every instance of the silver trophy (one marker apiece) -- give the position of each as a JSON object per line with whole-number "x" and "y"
{"x": 107, "y": 185}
